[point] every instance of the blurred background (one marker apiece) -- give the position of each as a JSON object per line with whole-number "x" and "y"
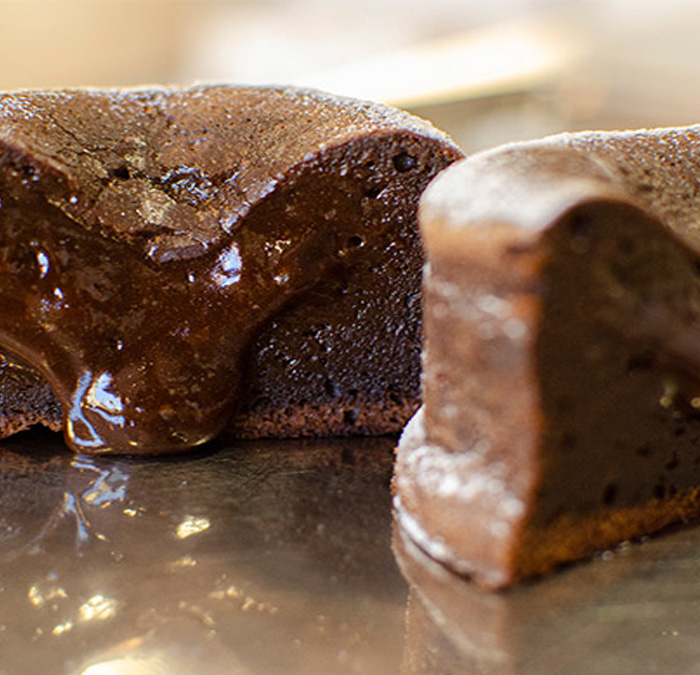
{"x": 487, "y": 72}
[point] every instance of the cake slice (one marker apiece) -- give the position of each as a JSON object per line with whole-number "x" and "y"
{"x": 562, "y": 360}
{"x": 180, "y": 263}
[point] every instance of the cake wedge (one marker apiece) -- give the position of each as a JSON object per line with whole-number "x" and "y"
{"x": 562, "y": 357}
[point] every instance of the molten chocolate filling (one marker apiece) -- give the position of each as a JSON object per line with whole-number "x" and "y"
{"x": 141, "y": 353}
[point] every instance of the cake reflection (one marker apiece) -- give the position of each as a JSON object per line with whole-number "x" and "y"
{"x": 262, "y": 557}
{"x": 51, "y": 490}
{"x": 632, "y": 610}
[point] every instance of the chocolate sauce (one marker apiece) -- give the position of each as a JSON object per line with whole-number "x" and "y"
{"x": 145, "y": 240}
{"x": 136, "y": 352}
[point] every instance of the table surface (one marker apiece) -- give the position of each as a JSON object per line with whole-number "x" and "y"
{"x": 280, "y": 557}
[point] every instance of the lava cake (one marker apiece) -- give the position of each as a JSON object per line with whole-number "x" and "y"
{"x": 180, "y": 263}
{"x": 562, "y": 361}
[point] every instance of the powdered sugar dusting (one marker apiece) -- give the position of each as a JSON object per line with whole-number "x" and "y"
{"x": 465, "y": 476}
{"x": 492, "y": 316}
{"x": 438, "y": 549}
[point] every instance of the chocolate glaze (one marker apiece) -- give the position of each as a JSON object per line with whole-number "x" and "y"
{"x": 148, "y": 236}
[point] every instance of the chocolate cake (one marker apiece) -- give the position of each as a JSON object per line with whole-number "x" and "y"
{"x": 562, "y": 362}
{"x": 181, "y": 263}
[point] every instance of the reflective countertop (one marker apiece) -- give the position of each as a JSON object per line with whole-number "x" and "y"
{"x": 280, "y": 557}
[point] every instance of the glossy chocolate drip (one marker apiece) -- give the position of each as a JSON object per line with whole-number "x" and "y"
{"x": 140, "y": 355}
{"x": 146, "y": 239}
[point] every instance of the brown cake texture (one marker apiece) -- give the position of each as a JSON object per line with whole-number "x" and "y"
{"x": 180, "y": 263}
{"x": 562, "y": 358}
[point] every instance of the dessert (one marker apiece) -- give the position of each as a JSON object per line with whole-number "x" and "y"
{"x": 178, "y": 263}
{"x": 562, "y": 359}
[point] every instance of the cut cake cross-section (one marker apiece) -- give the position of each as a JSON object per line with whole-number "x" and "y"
{"x": 562, "y": 358}
{"x": 178, "y": 263}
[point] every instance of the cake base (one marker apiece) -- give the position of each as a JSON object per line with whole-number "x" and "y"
{"x": 435, "y": 488}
